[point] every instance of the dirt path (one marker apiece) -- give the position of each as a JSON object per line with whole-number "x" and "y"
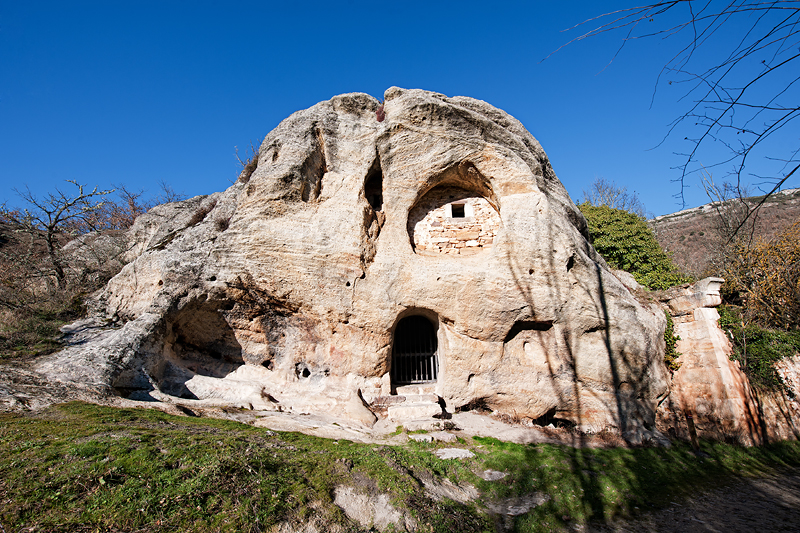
{"x": 767, "y": 504}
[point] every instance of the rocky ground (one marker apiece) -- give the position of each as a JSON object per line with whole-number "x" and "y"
{"x": 22, "y": 389}
{"x": 771, "y": 503}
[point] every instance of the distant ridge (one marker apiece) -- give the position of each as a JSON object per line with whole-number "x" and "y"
{"x": 692, "y": 237}
{"x": 779, "y": 197}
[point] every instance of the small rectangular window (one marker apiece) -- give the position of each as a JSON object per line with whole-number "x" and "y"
{"x": 458, "y": 210}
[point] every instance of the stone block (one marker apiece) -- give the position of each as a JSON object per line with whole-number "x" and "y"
{"x": 413, "y": 411}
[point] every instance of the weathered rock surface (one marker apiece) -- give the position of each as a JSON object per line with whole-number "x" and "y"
{"x": 372, "y": 511}
{"x": 305, "y": 286}
{"x": 712, "y": 388}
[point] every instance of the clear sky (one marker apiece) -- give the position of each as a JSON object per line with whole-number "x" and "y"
{"x": 138, "y": 92}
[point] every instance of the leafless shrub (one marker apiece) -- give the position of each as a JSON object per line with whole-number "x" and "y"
{"x": 167, "y": 195}
{"x": 222, "y": 223}
{"x": 249, "y": 164}
{"x": 603, "y": 192}
{"x": 56, "y": 250}
{"x": 45, "y": 220}
{"x": 202, "y": 212}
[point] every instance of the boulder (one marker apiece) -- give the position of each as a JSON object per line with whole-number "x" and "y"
{"x": 436, "y": 246}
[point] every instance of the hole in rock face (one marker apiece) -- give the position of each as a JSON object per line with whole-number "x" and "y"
{"x": 373, "y": 185}
{"x": 526, "y": 325}
{"x": 453, "y": 221}
{"x": 570, "y": 263}
{"x": 478, "y": 404}
{"x": 301, "y": 370}
{"x": 550, "y": 417}
{"x": 313, "y": 170}
{"x": 201, "y": 335}
{"x": 373, "y": 217}
{"x": 347, "y": 284}
{"x": 197, "y": 341}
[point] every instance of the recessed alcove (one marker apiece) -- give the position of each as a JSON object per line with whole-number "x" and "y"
{"x": 373, "y": 186}
{"x": 453, "y": 221}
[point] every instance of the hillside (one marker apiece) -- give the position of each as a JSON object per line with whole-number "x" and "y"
{"x": 692, "y": 235}
{"x": 81, "y": 467}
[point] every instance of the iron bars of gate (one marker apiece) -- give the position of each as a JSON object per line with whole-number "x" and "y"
{"x": 414, "y": 351}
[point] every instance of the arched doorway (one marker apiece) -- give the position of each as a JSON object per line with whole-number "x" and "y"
{"x": 414, "y": 351}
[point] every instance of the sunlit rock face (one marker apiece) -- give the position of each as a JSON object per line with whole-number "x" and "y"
{"x": 434, "y": 248}
{"x": 713, "y": 389}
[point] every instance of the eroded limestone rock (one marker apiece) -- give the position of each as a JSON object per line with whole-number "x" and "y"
{"x": 712, "y": 388}
{"x": 287, "y": 290}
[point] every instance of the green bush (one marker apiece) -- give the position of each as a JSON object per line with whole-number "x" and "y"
{"x": 626, "y": 242}
{"x": 670, "y": 353}
{"x": 758, "y": 349}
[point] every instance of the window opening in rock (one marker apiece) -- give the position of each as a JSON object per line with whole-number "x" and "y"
{"x": 414, "y": 351}
{"x": 453, "y": 221}
{"x": 373, "y": 186}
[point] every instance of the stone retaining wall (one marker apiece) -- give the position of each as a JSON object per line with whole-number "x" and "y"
{"x": 452, "y": 221}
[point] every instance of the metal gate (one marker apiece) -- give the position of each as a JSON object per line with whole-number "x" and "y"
{"x": 414, "y": 351}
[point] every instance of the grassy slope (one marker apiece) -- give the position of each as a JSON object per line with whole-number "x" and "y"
{"x": 80, "y": 467}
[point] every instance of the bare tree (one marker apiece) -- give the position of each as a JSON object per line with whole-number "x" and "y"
{"x": 166, "y": 196}
{"x": 46, "y": 219}
{"x": 744, "y": 94}
{"x": 732, "y": 205}
{"x": 603, "y": 192}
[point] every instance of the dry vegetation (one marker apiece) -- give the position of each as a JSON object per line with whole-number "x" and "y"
{"x": 694, "y": 236}
{"x": 54, "y": 252}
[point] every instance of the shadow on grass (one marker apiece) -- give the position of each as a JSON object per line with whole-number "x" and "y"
{"x": 586, "y": 484}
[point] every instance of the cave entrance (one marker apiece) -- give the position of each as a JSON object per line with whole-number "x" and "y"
{"x": 414, "y": 351}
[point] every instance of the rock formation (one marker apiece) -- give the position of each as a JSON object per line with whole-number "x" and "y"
{"x": 428, "y": 261}
{"x": 712, "y": 388}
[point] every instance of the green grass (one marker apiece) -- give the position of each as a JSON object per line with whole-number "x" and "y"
{"x": 80, "y": 467}
{"x": 598, "y": 484}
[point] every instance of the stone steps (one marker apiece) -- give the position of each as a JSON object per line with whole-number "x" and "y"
{"x": 414, "y": 402}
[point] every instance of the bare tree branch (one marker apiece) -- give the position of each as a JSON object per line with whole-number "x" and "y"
{"x": 745, "y": 96}
{"x": 46, "y": 218}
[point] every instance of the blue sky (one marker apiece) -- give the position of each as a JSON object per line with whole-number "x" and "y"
{"x": 140, "y": 92}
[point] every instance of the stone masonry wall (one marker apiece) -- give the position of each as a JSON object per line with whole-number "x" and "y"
{"x": 433, "y": 228}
